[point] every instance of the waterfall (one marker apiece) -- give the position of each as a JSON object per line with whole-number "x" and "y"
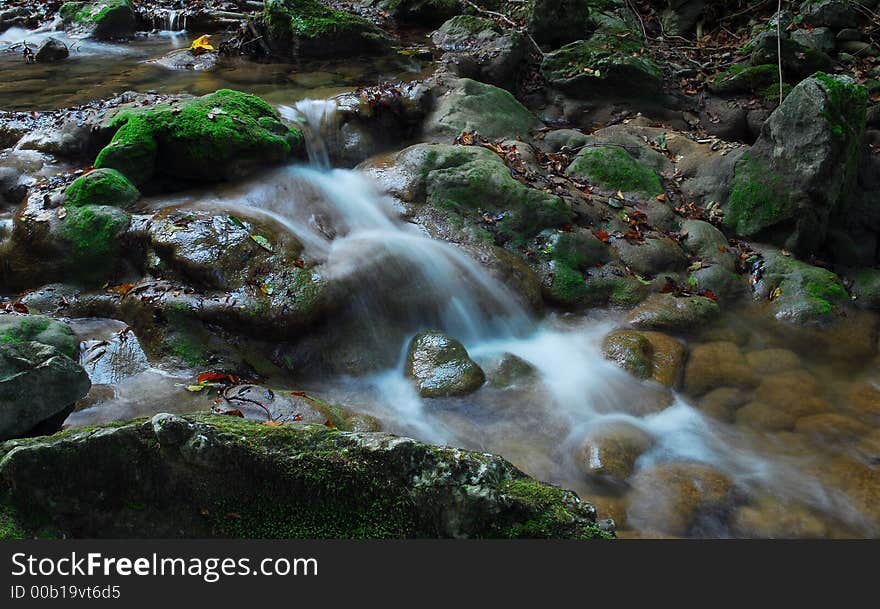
{"x": 316, "y": 118}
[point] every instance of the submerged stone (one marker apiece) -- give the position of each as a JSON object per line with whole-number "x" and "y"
{"x": 667, "y": 312}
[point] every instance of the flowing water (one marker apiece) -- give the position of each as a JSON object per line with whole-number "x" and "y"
{"x": 399, "y": 276}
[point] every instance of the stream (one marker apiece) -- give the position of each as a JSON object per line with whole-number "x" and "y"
{"x": 804, "y": 483}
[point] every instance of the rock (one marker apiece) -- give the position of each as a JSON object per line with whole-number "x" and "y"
{"x": 682, "y": 499}
{"x": 834, "y": 14}
{"x": 721, "y": 403}
{"x": 52, "y": 50}
{"x": 608, "y": 453}
{"x": 801, "y": 170}
{"x": 38, "y": 387}
{"x": 216, "y": 137}
{"x": 646, "y": 354}
{"x": 478, "y": 48}
{"x": 109, "y": 361}
{"x": 866, "y": 288}
{"x": 770, "y": 361}
{"x": 797, "y": 60}
{"x": 93, "y": 234}
{"x": 103, "y": 20}
{"x": 555, "y": 22}
{"x": 782, "y": 399}
{"x": 820, "y": 39}
{"x": 799, "y": 293}
{"x": 831, "y": 428}
{"x": 770, "y": 518}
{"x": 102, "y": 187}
{"x": 603, "y": 66}
{"x": 469, "y": 105}
{"x": 860, "y": 485}
{"x": 184, "y": 59}
{"x": 15, "y": 329}
{"x": 680, "y": 17}
{"x": 615, "y": 169}
{"x": 422, "y": 12}
{"x": 667, "y": 312}
{"x": 282, "y": 481}
{"x": 508, "y": 370}
{"x": 863, "y": 401}
{"x": 655, "y": 255}
{"x": 719, "y": 364}
{"x": 441, "y": 367}
{"x": 310, "y": 28}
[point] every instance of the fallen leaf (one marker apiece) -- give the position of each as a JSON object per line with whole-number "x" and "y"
{"x": 299, "y": 394}
{"x": 201, "y": 45}
{"x": 273, "y": 423}
{"x": 233, "y": 413}
{"x": 196, "y": 388}
{"x": 262, "y": 242}
{"x": 661, "y": 197}
{"x": 210, "y": 377}
{"x": 602, "y": 235}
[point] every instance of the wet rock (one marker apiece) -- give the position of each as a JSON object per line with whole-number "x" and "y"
{"x": 186, "y": 60}
{"x": 863, "y": 400}
{"x": 721, "y": 403}
{"x": 468, "y": 105}
{"x": 480, "y": 49}
{"x": 310, "y": 28}
{"x": 103, "y": 20}
{"x": 820, "y": 39}
{"x": 765, "y": 417}
{"x": 769, "y": 518}
{"x": 796, "y": 59}
{"x": 668, "y": 358}
{"x": 377, "y": 485}
{"x": 71, "y": 140}
{"x": 771, "y": 361}
{"x": 860, "y": 483}
{"x": 831, "y": 428}
{"x": 683, "y": 499}
{"x": 102, "y": 187}
{"x": 52, "y": 50}
{"x": 109, "y": 361}
{"x": 719, "y": 364}
{"x": 508, "y": 370}
{"x": 441, "y": 366}
{"x": 782, "y": 399}
{"x": 666, "y": 312}
{"x": 38, "y": 387}
{"x": 834, "y": 14}
{"x": 801, "y": 170}
{"x": 216, "y": 137}
{"x": 868, "y": 449}
{"x": 680, "y": 17}
{"x": 608, "y": 453}
{"x": 799, "y": 293}
{"x": 631, "y": 351}
{"x": 653, "y": 256}
{"x": 866, "y": 287}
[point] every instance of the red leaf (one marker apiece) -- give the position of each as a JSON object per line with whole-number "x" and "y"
{"x": 299, "y": 264}
{"x": 297, "y": 417}
{"x": 233, "y": 413}
{"x": 709, "y": 294}
{"x": 602, "y": 235}
{"x": 19, "y": 307}
{"x": 210, "y": 377}
{"x": 329, "y": 423}
{"x": 299, "y": 394}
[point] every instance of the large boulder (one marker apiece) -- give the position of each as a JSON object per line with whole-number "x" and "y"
{"x": 310, "y": 28}
{"x": 104, "y": 19}
{"x": 469, "y": 105}
{"x": 801, "y": 170}
{"x": 219, "y": 136}
{"x": 219, "y": 476}
{"x": 441, "y": 366}
{"x": 614, "y": 168}
{"x": 39, "y": 385}
{"x": 102, "y": 187}
{"x": 52, "y": 50}
{"x": 15, "y": 329}
{"x": 668, "y": 312}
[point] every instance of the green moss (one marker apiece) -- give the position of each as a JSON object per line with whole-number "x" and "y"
{"x": 10, "y": 527}
{"x": 94, "y": 233}
{"x": 14, "y": 330}
{"x": 187, "y": 348}
{"x": 205, "y": 138}
{"x": 614, "y": 168}
{"x": 611, "y": 61}
{"x": 102, "y": 187}
{"x": 758, "y": 198}
{"x": 551, "y": 504}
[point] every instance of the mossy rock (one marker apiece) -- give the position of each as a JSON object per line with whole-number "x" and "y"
{"x": 605, "y": 65}
{"x": 631, "y": 351}
{"x": 468, "y": 181}
{"x": 219, "y": 136}
{"x": 102, "y": 187}
{"x": 94, "y": 234}
{"x": 474, "y": 106}
{"x": 103, "y": 20}
{"x": 740, "y": 78}
{"x": 615, "y": 168}
{"x": 799, "y": 292}
{"x": 668, "y": 312}
{"x": 16, "y": 329}
{"x": 310, "y": 28}
{"x": 219, "y": 476}
{"x": 866, "y": 286}
{"x": 441, "y": 366}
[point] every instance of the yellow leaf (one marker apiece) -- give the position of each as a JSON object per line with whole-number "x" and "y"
{"x": 776, "y": 294}
{"x": 200, "y": 45}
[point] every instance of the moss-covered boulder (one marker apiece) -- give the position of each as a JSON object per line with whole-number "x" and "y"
{"x": 798, "y": 61}
{"x": 614, "y": 168}
{"x": 102, "y": 187}
{"x": 468, "y": 180}
{"x": 801, "y": 171}
{"x": 215, "y": 476}
{"x": 743, "y": 78}
{"x": 668, "y": 312}
{"x": 469, "y": 105}
{"x": 799, "y": 292}
{"x": 441, "y": 366}
{"x": 609, "y": 451}
{"x": 15, "y": 329}
{"x": 310, "y": 28}
{"x": 605, "y": 65}
{"x": 646, "y": 354}
{"x": 215, "y": 137}
{"x": 93, "y": 234}
{"x": 38, "y": 388}
{"x": 104, "y": 19}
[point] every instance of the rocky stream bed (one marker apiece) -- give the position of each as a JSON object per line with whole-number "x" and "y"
{"x": 429, "y": 268}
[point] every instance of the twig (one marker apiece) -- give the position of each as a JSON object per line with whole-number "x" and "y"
{"x": 506, "y": 20}
{"x": 779, "y": 48}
